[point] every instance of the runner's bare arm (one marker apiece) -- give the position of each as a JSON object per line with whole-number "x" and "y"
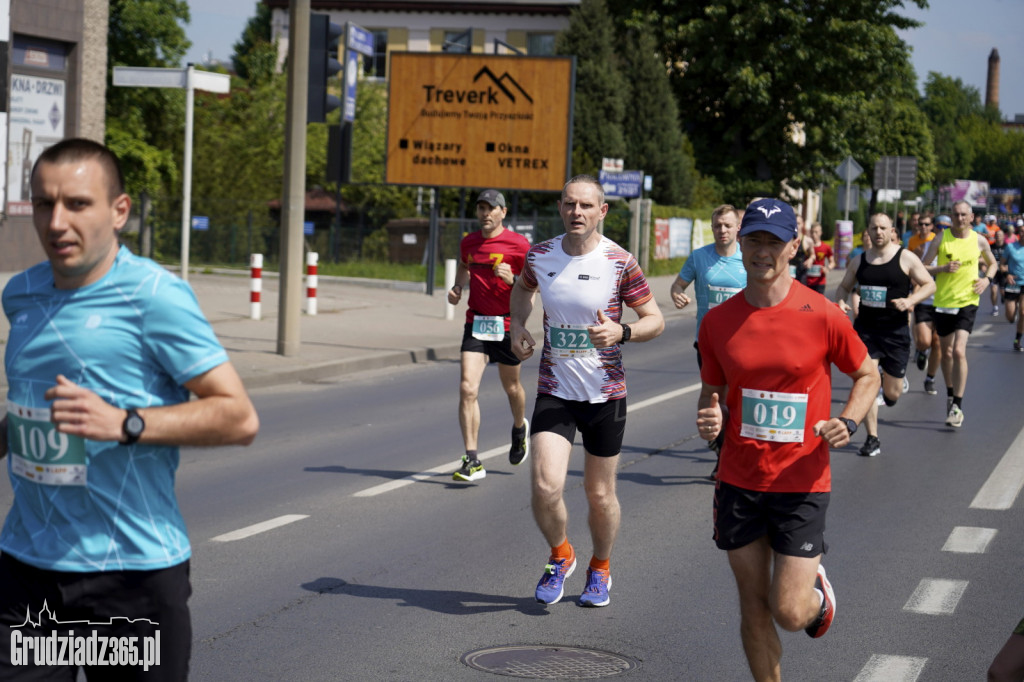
{"x": 678, "y": 290}
{"x": 520, "y": 307}
{"x": 709, "y": 411}
{"x": 863, "y": 392}
{"x": 923, "y": 282}
{"x": 461, "y": 280}
{"x": 222, "y": 413}
{"x": 848, "y": 283}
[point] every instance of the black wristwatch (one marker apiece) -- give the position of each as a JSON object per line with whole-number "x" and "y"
{"x": 133, "y": 426}
{"x": 851, "y": 426}
{"x": 627, "y": 333}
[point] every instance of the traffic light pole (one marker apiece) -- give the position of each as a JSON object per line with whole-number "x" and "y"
{"x": 294, "y": 204}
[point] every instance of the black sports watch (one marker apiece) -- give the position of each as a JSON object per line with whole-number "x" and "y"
{"x": 851, "y": 426}
{"x": 627, "y": 333}
{"x": 133, "y": 426}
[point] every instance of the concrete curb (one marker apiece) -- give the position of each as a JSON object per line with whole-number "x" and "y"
{"x": 320, "y": 371}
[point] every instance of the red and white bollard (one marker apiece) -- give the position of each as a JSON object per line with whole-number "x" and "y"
{"x": 311, "y": 281}
{"x": 255, "y": 285}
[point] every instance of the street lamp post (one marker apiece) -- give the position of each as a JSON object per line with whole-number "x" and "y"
{"x": 190, "y": 80}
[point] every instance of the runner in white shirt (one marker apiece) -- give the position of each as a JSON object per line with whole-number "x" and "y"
{"x": 584, "y": 279}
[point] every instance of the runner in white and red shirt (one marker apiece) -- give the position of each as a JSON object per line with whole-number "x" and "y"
{"x": 584, "y": 279}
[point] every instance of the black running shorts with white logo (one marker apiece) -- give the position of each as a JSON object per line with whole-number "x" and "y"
{"x": 602, "y": 425}
{"x": 793, "y": 522}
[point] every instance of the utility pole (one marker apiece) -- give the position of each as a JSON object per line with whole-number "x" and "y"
{"x": 293, "y": 206}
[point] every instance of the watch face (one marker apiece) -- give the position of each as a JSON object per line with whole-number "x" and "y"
{"x": 134, "y": 425}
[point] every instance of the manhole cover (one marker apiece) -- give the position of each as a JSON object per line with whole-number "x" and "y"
{"x": 549, "y": 662}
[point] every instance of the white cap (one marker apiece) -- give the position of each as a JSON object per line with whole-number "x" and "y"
{"x": 1020, "y": 222}
{"x": 990, "y": 218}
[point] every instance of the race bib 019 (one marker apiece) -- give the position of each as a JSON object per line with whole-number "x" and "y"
{"x": 778, "y": 417}
{"x": 570, "y": 341}
{"x": 488, "y": 327}
{"x": 41, "y": 453}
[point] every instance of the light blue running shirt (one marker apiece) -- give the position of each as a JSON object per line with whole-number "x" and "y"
{"x": 1014, "y": 255}
{"x": 134, "y": 337}
{"x": 715, "y": 278}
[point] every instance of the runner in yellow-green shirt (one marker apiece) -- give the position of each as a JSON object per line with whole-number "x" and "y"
{"x": 959, "y": 251}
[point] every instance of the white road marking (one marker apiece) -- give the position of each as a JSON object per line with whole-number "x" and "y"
{"x": 983, "y": 330}
{"x": 503, "y": 449}
{"x": 881, "y": 668}
{"x": 969, "y": 540}
{"x": 1005, "y": 481}
{"x": 936, "y": 596}
{"x": 259, "y": 527}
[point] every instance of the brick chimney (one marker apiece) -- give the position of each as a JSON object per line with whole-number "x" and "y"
{"x": 992, "y": 87}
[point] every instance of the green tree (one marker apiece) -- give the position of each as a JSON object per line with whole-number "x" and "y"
{"x": 599, "y": 107}
{"x": 953, "y": 110}
{"x": 255, "y": 57}
{"x": 144, "y": 125}
{"x": 368, "y": 193}
{"x": 654, "y": 138}
{"x": 766, "y": 89}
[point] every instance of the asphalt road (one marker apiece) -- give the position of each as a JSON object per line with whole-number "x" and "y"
{"x": 375, "y": 573}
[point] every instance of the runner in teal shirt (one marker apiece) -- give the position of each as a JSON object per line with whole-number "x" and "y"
{"x": 103, "y": 352}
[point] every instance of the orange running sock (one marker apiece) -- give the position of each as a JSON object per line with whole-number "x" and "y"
{"x": 600, "y": 564}
{"x": 563, "y": 551}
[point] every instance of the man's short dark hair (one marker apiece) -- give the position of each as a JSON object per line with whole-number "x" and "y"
{"x": 74, "y": 149}
{"x": 585, "y": 179}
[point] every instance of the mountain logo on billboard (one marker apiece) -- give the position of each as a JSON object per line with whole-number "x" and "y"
{"x": 503, "y": 83}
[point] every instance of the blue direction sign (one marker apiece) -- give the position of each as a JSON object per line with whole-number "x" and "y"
{"x": 200, "y": 223}
{"x": 625, "y": 184}
{"x": 308, "y": 227}
{"x": 351, "y": 76}
{"x": 360, "y": 40}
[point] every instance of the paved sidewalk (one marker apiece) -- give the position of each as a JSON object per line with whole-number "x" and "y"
{"x": 360, "y": 325}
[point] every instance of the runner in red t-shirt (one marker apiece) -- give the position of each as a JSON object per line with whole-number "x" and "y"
{"x": 774, "y": 480}
{"x": 817, "y": 271}
{"x": 491, "y": 259}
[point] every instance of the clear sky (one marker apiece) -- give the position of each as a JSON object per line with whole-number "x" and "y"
{"x": 955, "y": 40}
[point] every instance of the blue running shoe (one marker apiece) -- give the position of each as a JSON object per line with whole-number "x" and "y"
{"x": 596, "y": 591}
{"x": 552, "y": 583}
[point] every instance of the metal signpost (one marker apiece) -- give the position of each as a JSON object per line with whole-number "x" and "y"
{"x": 190, "y": 80}
{"x": 849, "y": 170}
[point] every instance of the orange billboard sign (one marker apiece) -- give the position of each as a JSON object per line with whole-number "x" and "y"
{"x": 476, "y": 120}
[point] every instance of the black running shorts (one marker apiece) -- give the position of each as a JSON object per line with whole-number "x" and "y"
{"x": 496, "y": 351}
{"x": 793, "y": 522}
{"x": 602, "y": 425}
{"x": 891, "y": 348}
{"x": 947, "y": 323}
{"x": 923, "y": 313}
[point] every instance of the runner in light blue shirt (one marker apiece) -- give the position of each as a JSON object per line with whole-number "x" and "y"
{"x": 1013, "y": 264}
{"x": 104, "y": 351}
{"x": 715, "y": 270}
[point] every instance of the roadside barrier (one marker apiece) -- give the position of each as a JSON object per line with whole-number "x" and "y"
{"x": 255, "y": 285}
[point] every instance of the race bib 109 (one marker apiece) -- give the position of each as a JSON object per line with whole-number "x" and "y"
{"x": 41, "y": 453}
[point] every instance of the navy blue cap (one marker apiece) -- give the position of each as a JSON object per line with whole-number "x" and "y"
{"x": 770, "y": 215}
